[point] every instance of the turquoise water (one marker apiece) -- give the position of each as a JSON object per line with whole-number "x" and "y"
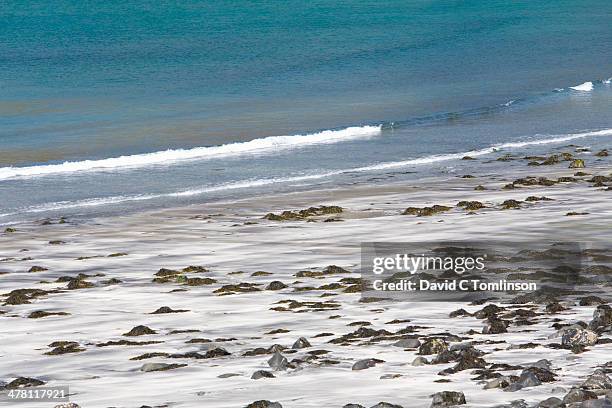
{"x": 92, "y": 80}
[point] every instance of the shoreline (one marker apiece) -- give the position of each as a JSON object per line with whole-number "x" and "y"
{"x": 191, "y": 284}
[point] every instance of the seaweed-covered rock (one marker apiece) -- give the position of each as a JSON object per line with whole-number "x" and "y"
{"x": 150, "y": 367}
{"x": 433, "y": 346}
{"x": 509, "y": 204}
{"x": 470, "y": 205}
{"x": 425, "y": 211}
{"x": 494, "y": 325}
{"x": 140, "y": 331}
{"x": 36, "y": 268}
{"x": 602, "y": 153}
{"x": 447, "y": 399}
{"x": 264, "y": 404}
{"x": 304, "y": 214}
{"x": 24, "y": 382}
{"x": 79, "y": 283}
{"x": 276, "y": 285}
{"x": 166, "y": 309}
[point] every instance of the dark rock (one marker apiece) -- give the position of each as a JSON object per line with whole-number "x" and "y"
{"x": 407, "y": 343}
{"x": 602, "y": 317}
{"x": 447, "y": 399}
{"x": 301, "y": 343}
{"x": 459, "y": 313}
{"x": 488, "y": 311}
{"x": 37, "y": 314}
{"x": 598, "y": 382}
{"x": 166, "y": 309}
{"x": 278, "y": 362}
{"x": 471, "y": 205}
{"x": 276, "y": 285}
{"x": 304, "y": 214}
{"x": 495, "y": 326}
{"x": 433, "y": 346}
{"x": 65, "y": 347}
{"x": 591, "y": 301}
{"x": 140, "y": 331}
{"x": 552, "y": 402}
{"x": 366, "y": 363}
{"x": 216, "y": 352}
{"x": 150, "y": 367}
{"x": 37, "y": 269}
{"x": 578, "y": 395}
{"x": 261, "y": 374}
{"x": 264, "y": 404}
{"x": 509, "y": 204}
{"x": 426, "y": 211}
{"x": 24, "y": 382}
{"x": 78, "y": 283}
{"x": 386, "y": 405}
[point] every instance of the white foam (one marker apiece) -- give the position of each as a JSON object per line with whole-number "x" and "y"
{"x": 277, "y": 180}
{"x": 584, "y": 87}
{"x": 265, "y": 145}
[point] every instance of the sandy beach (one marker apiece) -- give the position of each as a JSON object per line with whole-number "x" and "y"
{"x": 216, "y": 306}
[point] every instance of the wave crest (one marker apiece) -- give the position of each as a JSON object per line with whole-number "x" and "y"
{"x": 264, "y": 145}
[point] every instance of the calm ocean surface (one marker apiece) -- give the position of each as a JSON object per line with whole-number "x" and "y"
{"x": 115, "y": 106}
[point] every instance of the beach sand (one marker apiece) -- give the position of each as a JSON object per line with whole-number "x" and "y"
{"x": 120, "y": 256}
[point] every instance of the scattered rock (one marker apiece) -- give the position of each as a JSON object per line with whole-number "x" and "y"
{"x": 408, "y": 343}
{"x": 150, "y": 367}
{"x": 602, "y": 317}
{"x": 509, "y": 204}
{"x": 419, "y": 361}
{"x": 366, "y": 363}
{"x": 276, "y": 285}
{"x": 598, "y": 382}
{"x": 166, "y": 309}
{"x": 37, "y": 314}
{"x": 471, "y": 205}
{"x": 264, "y": 404}
{"x": 552, "y": 402}
{"x": 301, "y": 343}
{"x": 578, "y": 395}
{"x": 433, "y": 346}
{"x": 261, "y": 374}
{"x": 425, "y": 211}
{"x": 447, "y": 399}
{"x": 24, "y": 382}
{"x": 140, "y": 331}
{"x": 278, "y": 362}
{"x": 577, "y": 164}
{"x": 304, "y": 214}
{"x": 578, "y": 337}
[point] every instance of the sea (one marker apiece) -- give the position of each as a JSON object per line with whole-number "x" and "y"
{"x": 110, "y": 107}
